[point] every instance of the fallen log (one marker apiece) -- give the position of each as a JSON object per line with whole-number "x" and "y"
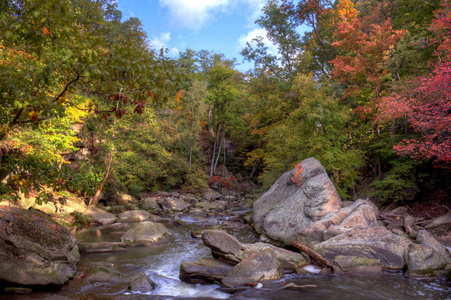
{"x": 315, "y": 256}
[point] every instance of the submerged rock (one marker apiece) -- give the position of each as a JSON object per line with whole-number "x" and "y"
{"x": 34, "y": 249}
{"x": 206, "y": 270}
{"x": 145, "y": 233}
{"x": 97, "y": 215}
{"x": 141, "y": 283}
{"x": 173, "y": 204}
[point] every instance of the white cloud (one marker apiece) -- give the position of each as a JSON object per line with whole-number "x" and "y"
{"x": 160, "y": 41}
{"x": 194, "y": 14}
{"x": 174, "y": 51}
{"x": 248, "y": 37}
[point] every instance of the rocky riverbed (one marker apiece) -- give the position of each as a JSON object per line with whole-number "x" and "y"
{"x": 171, "y": 245}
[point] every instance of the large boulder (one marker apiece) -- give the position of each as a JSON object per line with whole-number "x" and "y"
{"x": 141, "y": 283}
{"x": 259, "y": 266}
{"x": 34, "y": 249}
{"x": 211, "y": 195}
{"x": 145, "y": 233}
{"x": 227, "y": 248}
{"x": 149, "y": 203}
{"x": 286, "y": 209}
{"x": 97, "y": 215}
{"x": 375, "y": 243}
{"x": 206, "y": 270}
{"x": 427, "y": 257}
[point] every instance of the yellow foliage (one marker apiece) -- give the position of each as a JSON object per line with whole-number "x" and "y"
{"x": 346, "y": 10}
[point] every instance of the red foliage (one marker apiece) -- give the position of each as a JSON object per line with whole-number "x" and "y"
{"x": 221, "y": 181}
{"x": 428, "y": 105}
{"x": 297, "y": 175}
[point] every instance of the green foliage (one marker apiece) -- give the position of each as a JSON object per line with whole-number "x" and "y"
{"x": 80, "y": 219}
{"x": 398, "y": 184}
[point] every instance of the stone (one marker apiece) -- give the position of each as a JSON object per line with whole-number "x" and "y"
{"x": 34, "y": 249}
{"x": 216, "y": 205}
{"x": 223, "y": 245}
{"x": 206, "y": 270}
{"x": 145, "y": 233}
{"x": 18, "y": 290}
{"x": 101, "y": 247}
{"x": 428, "y": 257}
{"x": 137, "y": 215}
{"x": 97, "y": 215}
{"x": 259, "y": 266}
{"x": 410, "y": 227}
{"x": 173, "y": 204}
{"x": 374, "y": 243}
{"x": 286, "y": 209}
{"x": 211, "y": 195}
{"x": 227, "y": 248}
{"x": 358, "y": 265}
{"x": 125, "y": 198}
{"x": 141, "y": 283}
{"x": 149, "y": 203}
{"x": 399, "y": 211}
{"x": 106, "y": 274}
{"x": 440, "y": 225}
{"x": 55, "y": 208}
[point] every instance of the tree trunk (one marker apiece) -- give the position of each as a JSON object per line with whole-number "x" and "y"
{"x": 315, "y": 256}
{"x": 214, "y": 152}
{"x": 94, "y": 200}
{"x": 254, "y": 168}
{"x": 219, "y": 149}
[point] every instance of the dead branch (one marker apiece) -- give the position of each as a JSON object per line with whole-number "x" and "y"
{"x": 315, "y": 256}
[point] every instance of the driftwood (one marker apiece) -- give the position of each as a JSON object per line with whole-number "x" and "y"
{"x": 313, "y": 255}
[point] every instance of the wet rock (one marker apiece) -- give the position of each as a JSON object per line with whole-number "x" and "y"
{"x": 173, "y": 204}
{"x": 18, "y": 290}
{"x": 149, "y": 203}
{"x": 259, "y": 266}
{"x": 141, "y": 283}
{"x": 223, "y": 245}
{"x": 428, "y": 257}
{"x": 440, "y": 225}
{"x": 375, "y": 243}
{"x": 206, "y": 270}
{"x": 34, "y": 249}
{"x": 286, "y": 209}
{"x": 127, "y": 199}
{"x": 410, "y": 227}
{"x": 137, "y": 215}
{"x": 106, "y": 274}
{"x": 358, "y": 265}
{"x": 145, "y": 233}
{"x": 211, "y": 195}
{"x": 101, "y": 247}
{"x": 216, "y": 205}
{"x": 97, "y": 215}
{"x": 227, "y": 248}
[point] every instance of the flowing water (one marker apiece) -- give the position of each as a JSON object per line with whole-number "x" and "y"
{"x": 161, "y": 263}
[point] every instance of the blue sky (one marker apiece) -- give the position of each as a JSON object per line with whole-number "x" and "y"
{"x": 223, "y": 26}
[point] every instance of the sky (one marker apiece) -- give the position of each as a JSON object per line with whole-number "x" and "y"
{"x": 222, "y": 26}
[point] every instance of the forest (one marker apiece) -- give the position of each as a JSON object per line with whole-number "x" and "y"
{"x": 88, "y": 107}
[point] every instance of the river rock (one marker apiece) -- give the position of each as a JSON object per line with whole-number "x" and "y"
{"x": 206, "y": 270}
{"x": 34, "y": 249}
{"x": 286, "y": 209}
{"x": 137, "y": 215}
{"x": 227, "y": 248}
{"x": 101, "y": 247}
{"x": 358, "y": 265}
{"x": 427, "y": 257}
{"x": 211, "y": 195}
{"x": 97, "y": 215}
{"x": 216, "y": 205}
{"x": 440, "y": 225}
{"x": 149, "y": 203}
{"x": 145, "y": 233}
{"x": 106, "y": 274}
{"x": 223, "y": 245}
{"x": 259, "y": 266}
{"x": 173, "y": 204}
{"x": 141, "y": 283}
{"x": 55, "y": 208}
{"x": 375, "y": 243}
